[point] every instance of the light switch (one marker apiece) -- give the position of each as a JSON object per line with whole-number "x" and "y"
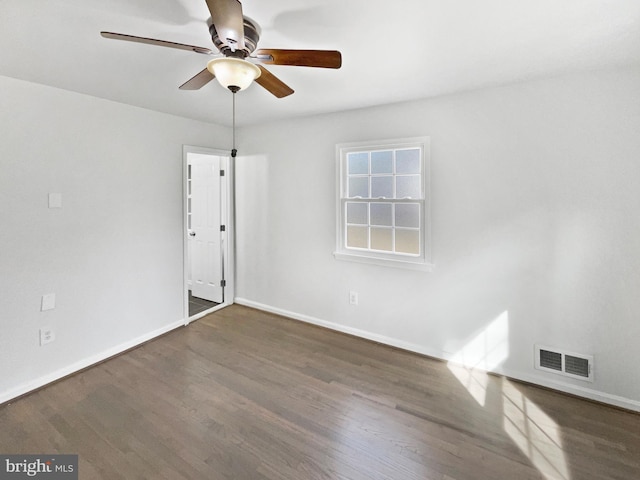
{"x": 48, "y": 302}
{"x": 55, "y": 200}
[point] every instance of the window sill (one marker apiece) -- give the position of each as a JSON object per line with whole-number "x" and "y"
{"x": 383, "y": 262}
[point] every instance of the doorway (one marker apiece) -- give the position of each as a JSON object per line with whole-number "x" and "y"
{"x": 208, "y": 231}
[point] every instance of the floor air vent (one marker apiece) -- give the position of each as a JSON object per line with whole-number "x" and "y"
{"x": 565, "y": 363}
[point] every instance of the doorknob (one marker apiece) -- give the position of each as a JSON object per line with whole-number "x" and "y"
{"x": 192, "y": 234}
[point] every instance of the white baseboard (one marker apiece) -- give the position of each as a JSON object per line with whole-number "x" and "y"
{"x": 87, "y": 362}
{"x": 577, "y": 390}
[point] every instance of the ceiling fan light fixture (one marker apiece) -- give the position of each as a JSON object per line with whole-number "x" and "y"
{"x": 233, "y": 73}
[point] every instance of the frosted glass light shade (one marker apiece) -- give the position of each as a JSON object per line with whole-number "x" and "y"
{"x": 233, "y": 72}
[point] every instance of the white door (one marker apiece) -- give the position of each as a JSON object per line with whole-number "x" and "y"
{"x": 205, "y": 237}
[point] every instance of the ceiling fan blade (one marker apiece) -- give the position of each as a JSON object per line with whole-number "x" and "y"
{"x": 153, "y": 41}
{"x": 226, "y": 16}
{"x": 303, "y": 58}
{"x": 198, "y": 81}
{"x": 272, "y": 83}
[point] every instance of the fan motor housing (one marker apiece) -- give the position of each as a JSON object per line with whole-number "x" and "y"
{"x": 251, "y": 37}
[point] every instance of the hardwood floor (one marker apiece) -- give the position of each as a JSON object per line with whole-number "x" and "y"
{"x": 242, "y": 394}
{"x": 199, "y": 305}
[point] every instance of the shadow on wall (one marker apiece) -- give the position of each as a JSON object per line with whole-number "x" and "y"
{"x": 169, "y": 12}
{"x": 252, "y": 210}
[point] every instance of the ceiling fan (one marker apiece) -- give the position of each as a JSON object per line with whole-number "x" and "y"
{"x": 236, "y": 38}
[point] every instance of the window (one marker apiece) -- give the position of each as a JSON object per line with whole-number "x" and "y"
{"x": 383, "y": 208}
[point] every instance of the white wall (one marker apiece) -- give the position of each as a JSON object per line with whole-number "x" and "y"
{"x": 113, "y": 254}
{"x": 536, "y": 228}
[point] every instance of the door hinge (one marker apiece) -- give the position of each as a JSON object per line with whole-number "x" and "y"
{"x": 222, "y": 173}
{"x": 223, "y": 228}
{"x": 223, "y": 283}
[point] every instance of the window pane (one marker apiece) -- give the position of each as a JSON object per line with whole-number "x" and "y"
{"x": 357, "y": 213}
{"x": 383, "y": 196}
{"x": 382, "y": 162}
{"x": 408, "y": 215}
{"x": 408, "y": 161}
{"x": 381, "y": 239}
{"x": 358, "y": 163}
{"x": 381, "y": 214}
{"x": 408, "y": 241}
{"x": 357, "y": 237}
{"x": 358, "y": 187}
{"x": 382, "y": 187}
{"x": 408, "y": 186}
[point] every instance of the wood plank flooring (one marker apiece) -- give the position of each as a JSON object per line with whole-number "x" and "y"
{"x": 243, "y": 394}
{"x": 199, "y": 305}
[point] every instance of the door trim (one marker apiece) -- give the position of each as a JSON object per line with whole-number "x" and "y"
{"x": 227, "y": 215}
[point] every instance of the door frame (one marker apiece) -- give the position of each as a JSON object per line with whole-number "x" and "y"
{"x": 227, "y": 216}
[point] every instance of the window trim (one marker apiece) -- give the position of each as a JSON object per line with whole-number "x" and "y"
{"x": 399, "y": 260}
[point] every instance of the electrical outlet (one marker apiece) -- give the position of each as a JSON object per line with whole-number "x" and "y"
{"x": 353, "y": 297}
{"x": 46, "y": 335}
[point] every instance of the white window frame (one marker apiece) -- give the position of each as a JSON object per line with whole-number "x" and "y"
{"x": 376, "y": 257}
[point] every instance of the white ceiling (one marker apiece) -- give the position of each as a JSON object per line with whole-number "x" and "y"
{"x": 393, "y": 50}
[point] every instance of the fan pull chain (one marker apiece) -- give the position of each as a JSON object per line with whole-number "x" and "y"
{"x": 234, "y": 152}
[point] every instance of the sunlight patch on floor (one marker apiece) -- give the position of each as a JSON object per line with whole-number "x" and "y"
{"x": 483, "y": 353}
{"x": 534, "y": 432}
{"x": 531, "y": 429}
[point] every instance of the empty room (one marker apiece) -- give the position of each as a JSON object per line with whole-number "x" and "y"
{"x": 320, "y": 239}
